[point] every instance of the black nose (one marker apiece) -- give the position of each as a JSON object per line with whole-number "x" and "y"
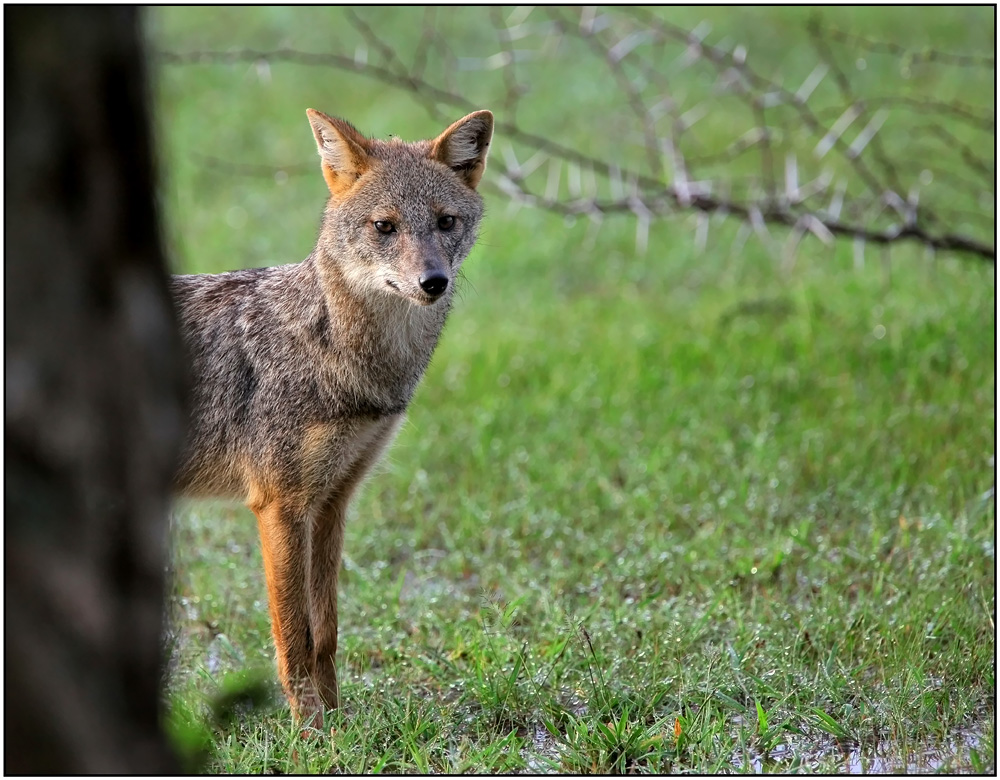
{"x": 433, "y": 282}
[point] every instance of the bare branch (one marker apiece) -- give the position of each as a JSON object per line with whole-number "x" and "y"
{"x": 912, "y": 57}
{"x": 845, "y": 171}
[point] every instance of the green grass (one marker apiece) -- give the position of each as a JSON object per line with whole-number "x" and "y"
{"x": 673, "y": 512}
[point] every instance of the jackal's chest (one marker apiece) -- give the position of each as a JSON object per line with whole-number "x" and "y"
{"x": 378, "y": 361}
{"x": 335, "y": 456}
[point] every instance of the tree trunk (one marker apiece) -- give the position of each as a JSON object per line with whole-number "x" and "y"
{"x": 93, "y": 416}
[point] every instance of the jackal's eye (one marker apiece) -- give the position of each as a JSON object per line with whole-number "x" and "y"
{"x": 384, "y": 226}
{"x": 446, "y": 222}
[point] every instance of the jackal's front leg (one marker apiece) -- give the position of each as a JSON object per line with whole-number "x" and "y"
{"x": 285, "y": 544}
{"x": 327, "y": 548}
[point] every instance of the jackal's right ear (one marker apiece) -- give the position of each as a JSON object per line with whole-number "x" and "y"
{"x": 342, "y": 149}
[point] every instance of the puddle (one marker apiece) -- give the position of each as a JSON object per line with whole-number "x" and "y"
{"x": 543, "y": 758}
{"x": 951, "y": 755}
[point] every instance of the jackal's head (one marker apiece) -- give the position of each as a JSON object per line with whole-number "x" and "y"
{"x": 401, "y": 216}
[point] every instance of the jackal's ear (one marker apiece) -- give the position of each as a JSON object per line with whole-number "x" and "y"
{"x": 342, "y": 149}
{"x": 463, "y": 146}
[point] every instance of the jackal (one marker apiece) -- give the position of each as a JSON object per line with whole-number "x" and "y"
{"x": 302, "y": 373}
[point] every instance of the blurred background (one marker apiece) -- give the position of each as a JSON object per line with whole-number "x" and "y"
{"x": 718, "y": 391}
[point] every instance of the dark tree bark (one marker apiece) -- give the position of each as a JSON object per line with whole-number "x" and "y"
{"x": 93, "y": 412}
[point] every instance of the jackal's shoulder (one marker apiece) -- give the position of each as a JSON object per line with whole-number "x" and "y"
{"x": 277, "y": 293}
{"x": 229, "y": 287}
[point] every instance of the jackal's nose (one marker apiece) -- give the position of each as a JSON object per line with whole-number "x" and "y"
{"x": 433, "y": 282}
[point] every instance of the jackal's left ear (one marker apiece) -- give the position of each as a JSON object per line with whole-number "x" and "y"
{"x": 342, "y": 149}
{"x": 463, "y": 146}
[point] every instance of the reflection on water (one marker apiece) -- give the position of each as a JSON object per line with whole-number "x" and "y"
{"x": 953, "y": 754}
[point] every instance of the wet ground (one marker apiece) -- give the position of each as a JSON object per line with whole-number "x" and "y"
{"x": 953, "y": 755}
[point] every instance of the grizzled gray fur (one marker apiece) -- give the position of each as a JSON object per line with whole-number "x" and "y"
{"x": 302, "y": 373}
